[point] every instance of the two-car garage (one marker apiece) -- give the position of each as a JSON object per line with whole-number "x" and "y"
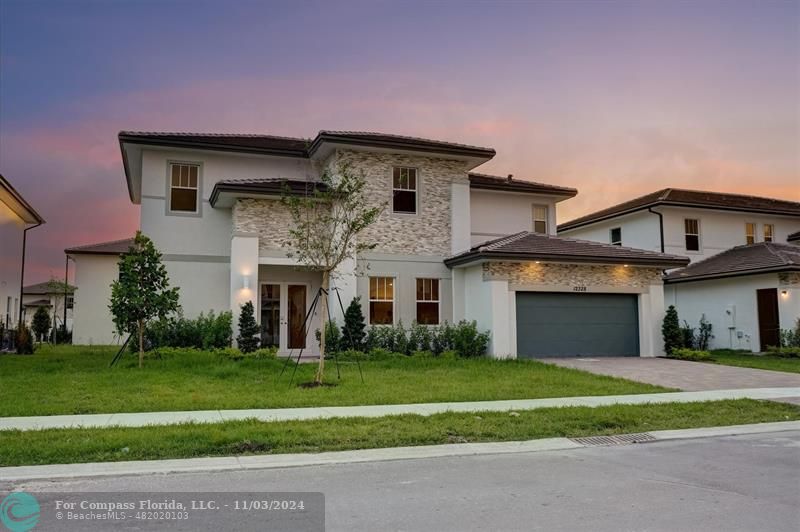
{"x": 560, "y": 324}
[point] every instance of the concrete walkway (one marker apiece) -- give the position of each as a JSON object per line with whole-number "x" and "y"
{"x": 681, "y": 374}
{"x": 424, "y": 409}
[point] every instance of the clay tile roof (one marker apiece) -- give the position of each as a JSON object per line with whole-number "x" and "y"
{"x": 115, "y": 247}
{"x": 534, "y": 246}
{"x": 690, "y": 198}
{"x": 268, "y": 186}
{"x": 293, "y": 146}
{"x": 763, "y": 257}
{"x": 371, "y": 138}
{"x": 493, "y": 182}
{"x": 43, "y": 289}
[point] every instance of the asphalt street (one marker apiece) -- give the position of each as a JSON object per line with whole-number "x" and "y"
{"x": 730, "y": 483}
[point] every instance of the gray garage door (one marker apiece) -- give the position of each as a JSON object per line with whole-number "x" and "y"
{"x": 565, "y": 324}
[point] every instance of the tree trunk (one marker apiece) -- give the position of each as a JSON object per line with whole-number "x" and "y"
{"x": 324, "y": 308}
{"x": 141, "y": 343}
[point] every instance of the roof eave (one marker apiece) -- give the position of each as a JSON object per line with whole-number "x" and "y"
{"x": 34, "y": 216}
{"x": 211, "y": 146}
{"x": 740, "y": 273}
{"x": 549, "y": 257}
{"x": 567, "y": 193}
{"x": 407, "y": 144}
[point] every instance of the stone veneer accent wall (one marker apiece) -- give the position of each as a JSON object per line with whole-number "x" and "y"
{"x": 267, "y": 218}
{"x": 426, "y": 233}
{"x": 522, "y": 273}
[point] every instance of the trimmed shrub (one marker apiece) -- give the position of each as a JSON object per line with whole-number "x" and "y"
{"x": 41, "y": 324}
{"x": 248, "y": 340}
{"x": 784, "y": 352}
{"x": 63, "y": 335}
{"x": 333, "y": 338}
{"x": 463, "y": 338}
{"x": 207, "y": 331}
{"x": 683, "y": 353}
{"x": 791, "y": 337}
{"x": 671, "y": 331}
{"x": 353, "y": 334}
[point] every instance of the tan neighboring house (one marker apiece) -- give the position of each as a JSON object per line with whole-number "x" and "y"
{"x": 16, "y": 218}
{"x": 51, "y": 298}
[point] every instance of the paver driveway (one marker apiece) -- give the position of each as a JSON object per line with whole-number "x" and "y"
{"x": 689, "y": 376}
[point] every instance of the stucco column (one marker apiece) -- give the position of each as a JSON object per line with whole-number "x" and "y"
{"x": 500, "y": 343}
{"x": 459, "y": 289}
{"x": 244, "y": 274}
{"x": 344, "y": 278}
{"x": 651, "y": 316}
{"x": 459, "y": 217}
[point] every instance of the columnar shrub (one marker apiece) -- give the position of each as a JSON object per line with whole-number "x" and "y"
{"x": 354, "y": 325}
{"x": 41, "y": 323}
{"x": 248, "y": 340}
{"x": 671, "y": 330}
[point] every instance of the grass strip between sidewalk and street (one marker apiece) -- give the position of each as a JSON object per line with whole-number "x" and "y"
{"x": 60, "y": 446}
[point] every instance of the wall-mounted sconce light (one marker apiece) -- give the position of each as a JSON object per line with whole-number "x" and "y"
{"x": 624, "y": 265}
{"x": 784, "y": 293}
{"x": 246, "y": 282}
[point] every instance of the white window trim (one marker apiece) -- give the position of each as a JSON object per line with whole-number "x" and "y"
{"x": 546, "y": 221}
{"x": 417, "y": 191}
{"x": 611, "y": 236}
{"x": 772, "y": 232}
{"x": 198, "y": 212}
{"x": 699, "y": 249}
{"x": 755, "y": 232}
{"x": 438, "y": 300}
{"x": 393, "y": 300}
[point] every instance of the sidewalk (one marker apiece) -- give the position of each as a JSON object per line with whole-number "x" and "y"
{"x": 142, "y": 419}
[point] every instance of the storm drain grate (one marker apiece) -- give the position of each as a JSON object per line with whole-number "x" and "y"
{"x": 620, "y": 439}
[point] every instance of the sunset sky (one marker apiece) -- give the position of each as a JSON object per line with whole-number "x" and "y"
{"x": 614, "y": 98}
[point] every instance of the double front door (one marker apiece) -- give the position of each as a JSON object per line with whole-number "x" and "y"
{"x": 283, "y": 313}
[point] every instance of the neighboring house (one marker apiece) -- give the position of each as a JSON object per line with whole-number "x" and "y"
{"x": 16, "y": 218}
{"x": 95, "y": 270}
{"x": 744, "y": 274}
{"x": 50, "y": 296}
{"x": 749, "y": 293}
{"x": 689, "y": 222}
{"x": 211, "y": 203}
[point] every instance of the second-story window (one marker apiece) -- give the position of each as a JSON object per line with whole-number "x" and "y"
{"x": 616, "y": 236}
{"x": 750, "y": 233}
{"x": 183, "y": 189}
{"x": 404, "y": 190}
{"x": 540, "y": 219}
{"x": 381, "y": 300}
{"x": 769, "y": 232}
{"x": 692, "y": 230}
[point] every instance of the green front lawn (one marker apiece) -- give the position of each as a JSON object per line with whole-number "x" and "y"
{"x": 746, "y": 359}
{"x": 77, "y": 380}
{"x": 254, "y": 437}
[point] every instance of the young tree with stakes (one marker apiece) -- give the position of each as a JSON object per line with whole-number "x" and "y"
{"x": 142, "y": 292}
{"x": 325, "y": 224}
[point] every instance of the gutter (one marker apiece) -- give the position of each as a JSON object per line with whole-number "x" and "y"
{"x": 660, "y": 226}
{"x": 570, "y": 259}
{"x": 22, "y": 273}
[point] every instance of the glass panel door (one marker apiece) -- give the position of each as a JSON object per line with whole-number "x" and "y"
{"x": 270, "y": 315}
{"x": 296, "y": 316}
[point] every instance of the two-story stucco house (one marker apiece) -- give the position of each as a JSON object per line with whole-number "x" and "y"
{"x": 16, "y": 218}
{"x": 450, "y": 245}
{"x": 745, "y": 272}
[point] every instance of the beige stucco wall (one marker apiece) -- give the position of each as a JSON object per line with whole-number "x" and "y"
{"x": 572, "y": 274}
{"x": 93, "y": 323}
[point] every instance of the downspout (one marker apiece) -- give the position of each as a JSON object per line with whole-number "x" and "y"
{"x": 22, "y": 273}
{"x": 660, "y": 226}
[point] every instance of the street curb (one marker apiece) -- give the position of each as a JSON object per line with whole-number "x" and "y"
{"x": 279, "y": 461}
